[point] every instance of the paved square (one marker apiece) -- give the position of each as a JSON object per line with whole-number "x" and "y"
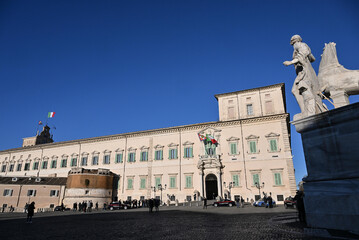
{"x": 168, "y": 223}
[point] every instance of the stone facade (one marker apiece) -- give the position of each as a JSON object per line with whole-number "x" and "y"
{"x": 46, "y": 192}
{"x": 253, "y": 145}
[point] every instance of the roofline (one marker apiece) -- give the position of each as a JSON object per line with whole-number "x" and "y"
{"x": 249, "y": 90}
{"x": 49, "y": 145}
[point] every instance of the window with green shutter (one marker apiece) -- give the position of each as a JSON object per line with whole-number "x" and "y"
{"x": 273, "y": 145}
{"x": 144, "y": 156}
{"x": 277, "y": 179}
{"x": 188, "y": 152}
{"x": 157, "y": 181}
{"x": 158, "y": 154}
{"x": 64, "y": 163}
{"x": 130, "y": 183}
{"x": 172, "y": 153}
{"x": 235, "y": 179}
{"x": 172, "y": 182}
{"x": 188, "y": 181}
{"x": 44, "y": 165}
{"x": 143, "y": 183}
{"x": 119, "y": 157}
{"x": 35, "y": 166}
{"x": 253, "y": 146}
{"x": 233, "y": 148}
{"x": 73, "y": 162}
{"x": 131, "y": 157}
{"x": 256, "y": 179}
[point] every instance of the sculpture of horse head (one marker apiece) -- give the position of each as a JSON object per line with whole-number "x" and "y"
{"x": 336, "y": 81}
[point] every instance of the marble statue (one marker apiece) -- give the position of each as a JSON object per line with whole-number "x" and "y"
{"x": 335, "y": 81}
{"x": 306, "y": 87}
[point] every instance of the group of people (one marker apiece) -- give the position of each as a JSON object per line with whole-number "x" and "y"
{"x": 239, "y": 202}
{"x": 84, "y": 206}
{"x": 269, "y": 200}
{"x": 153, "y": 202}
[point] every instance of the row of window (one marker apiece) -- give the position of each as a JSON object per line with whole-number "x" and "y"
{"x": 158, "y": 182}
{"x": 30, "y": 193}
{"x": 189, "y": 181}
{"x": 158, "y": 155}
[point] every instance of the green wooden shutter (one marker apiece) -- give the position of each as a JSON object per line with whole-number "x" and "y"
{"x": 273, "y": 145}
{"x": 277, "y": 179}
{"x": 191, "y": 152}
{"x": 235, "y": 180}
{"x": 172, "y": 182}
{"x": 253, "y": 147}
{"x": 143, "y": 183}
{"x": 158, "y": 181}
{"x": 255, "y": 179}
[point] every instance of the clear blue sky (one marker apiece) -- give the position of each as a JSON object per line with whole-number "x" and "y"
{"x": 108, "y": 67}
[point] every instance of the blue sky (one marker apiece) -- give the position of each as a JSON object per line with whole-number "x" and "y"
{"x": 108, "y": 67}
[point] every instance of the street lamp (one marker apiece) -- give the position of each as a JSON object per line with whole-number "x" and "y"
{"x": 154, "y": 191}
{"x": 230, "y": 185}
{"x": 259, "y": 186}
{"x": 161, "y": 189}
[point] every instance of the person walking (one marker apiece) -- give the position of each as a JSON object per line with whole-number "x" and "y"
{"x": 96, "y": 206}
{"x": 204, "y": 203}
{"x": 242, "y": 202}
{"x": 30, "y": 212}
{"x": 75, "y": 206}
{"x": 157, "y": 204}
{"x": 237, "y": 202}
{"x": 150, "y": 205}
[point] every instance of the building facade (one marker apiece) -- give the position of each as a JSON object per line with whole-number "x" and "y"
{"x": 249, "y": 145}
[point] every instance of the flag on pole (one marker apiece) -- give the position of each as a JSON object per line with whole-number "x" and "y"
{"x": 211, "y": 139}
{"x": 201, "y": 137}
{"x": 40, "y": 123}
{"x": 51, "y": 115}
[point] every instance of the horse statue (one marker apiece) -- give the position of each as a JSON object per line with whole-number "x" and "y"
{"x": 336, "y": 82}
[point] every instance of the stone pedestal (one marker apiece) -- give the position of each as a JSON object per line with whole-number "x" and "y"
{"x": 331, "y": 149}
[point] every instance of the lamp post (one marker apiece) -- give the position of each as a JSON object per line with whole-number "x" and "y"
{"x": 259, "y": 186}
{"x": 230, "y": 185}
{"x": 154, "y": 191}
{"x": 161, "y": 189}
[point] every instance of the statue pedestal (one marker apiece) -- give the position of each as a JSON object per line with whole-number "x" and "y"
{"x": 330, "y": 142}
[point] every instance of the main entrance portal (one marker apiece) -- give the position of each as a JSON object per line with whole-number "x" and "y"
{"x": 211, "y": 187}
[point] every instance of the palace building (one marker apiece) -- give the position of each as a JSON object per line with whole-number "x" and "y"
{"x": 246, "y": 153}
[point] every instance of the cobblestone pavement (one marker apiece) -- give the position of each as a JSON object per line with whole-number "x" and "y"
{"x": 168, "y": 223}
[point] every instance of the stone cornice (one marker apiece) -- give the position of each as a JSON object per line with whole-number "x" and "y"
{"x": 250, "y": 90}
{"x": 191, "y": 127}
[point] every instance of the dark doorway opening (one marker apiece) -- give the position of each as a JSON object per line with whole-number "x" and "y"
{"x": 211, "y": 187}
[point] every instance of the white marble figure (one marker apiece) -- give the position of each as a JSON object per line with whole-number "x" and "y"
{"x": 306, "y": 86}
{"x": 335, "y": 81}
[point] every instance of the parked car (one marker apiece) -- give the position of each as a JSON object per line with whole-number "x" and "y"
{"x": 290, "y": 202}
{"x": 261, "y": 203}
{"x": 224, "y": 202}
{"x": 117, "y": 205}
{"x": 59, "y": 208}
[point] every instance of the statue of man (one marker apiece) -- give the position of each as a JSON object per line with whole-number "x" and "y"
{"x": 306, "y": 86}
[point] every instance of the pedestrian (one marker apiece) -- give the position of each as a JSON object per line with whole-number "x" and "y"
{"x": 237, "y": 202}
{"x": 25, "y": 208}
{"x": 242, "y": 202}
{"x": 75, "y": 207}
{"x": 11, "y": 208}
{"x": 84, "y": 206}
{"x": 90, "y": 205}
{"x": 270, "y": 201}
{"x": 299, "y": 198}
{"x": 80, "y": 207}
{"x": 157, "y": 204}
{"x": 62, "y": 207}
{"x": 104, "y": 206}
{"x": 150, "y": 205}
{"x": 30, "y": 212}
{"x": 204, "y": 203}
{"x": 96, "y": 206}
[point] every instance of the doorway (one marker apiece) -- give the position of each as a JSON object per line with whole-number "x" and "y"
{"x": 211, "y": 187}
